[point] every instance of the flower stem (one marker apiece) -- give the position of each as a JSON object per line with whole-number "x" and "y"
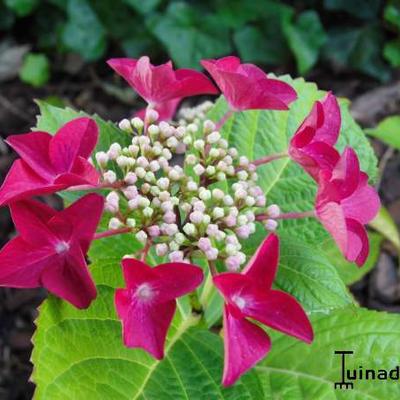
{"x": 213, "y": 268}
{"x": 224, "y": 118}
{"x": 111, "y": 232}
{"x": 103, "y": 185}
{"x": 145, "y": 250}
{"x": 289, "y": 215}
{"x": 267, "y": 159}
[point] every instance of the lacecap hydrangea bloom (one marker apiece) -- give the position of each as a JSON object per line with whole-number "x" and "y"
{"x": 168, "y": 189}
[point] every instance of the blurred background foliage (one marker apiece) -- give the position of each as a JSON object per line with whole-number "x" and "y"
{"x": 343, "y": 35}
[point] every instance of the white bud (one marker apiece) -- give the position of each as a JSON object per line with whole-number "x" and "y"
{"x": 250, "y": 201}
{"x": 171, "y": 229}
{"x": 218, "y": 212}
{"x": 102, "y": 158}
{"x": 198, "y": 169}
{"x": 151, "y": 115}
{"x": 131, "y": 222}
{"x": 164, "y": 196}
{"x": 180, "y": 238}
{"x": 161, "y": 249}
{"x": 110, "y": 176}
{"x": 210, "y": 170}
{"x": 173, "y": 246}
{"x": 125, "y": 125}
{"x": 199, "y": 144}
{"x": 217, "y": 194}
{"x": 166, "y": 154}
{"x": 193, "y": 128}
{"x": 114, "y": 151}
{"x": 148, "y": 212}
{"x": 176, "y": 256}
{"x": 270, "y": 225}
{"x": 142, "y": 162}
{"x": 240, "y": 194}
{"x": 172, "y": 142}
{"x": 212, "y": 254}
{"x": 233, "y": 152}
{"x": 134, "y": 149}
{"x": 208, "y": 126}
{"x": 130, "y": 178}
{"x": 143, "y": 202}
{"x": 122, "y": 161}
{"x": 228, "y": 200}
{"x": 154, "y": 165}
{"x": 114, "y": 223}
{"x": 174, "y": 175}
{"x": 242, "y": 220}
{"x": 191, "y": 159}
{"x": 243, "y": 161}
{"x": 187, "y": 140}
{"x": 141, "y": 236}
{"x": 153, "y": 130}
{"x": 213, "y": 137}
{"x": 221, "y": 176}
{"x": 137, "y": 123}
{"x": 242, "y": 175}
{"x": 273, "y": 211}
{"x": 214, "y": 153}
{"x": 163, "y": 183}
{"x": 206, "y": 219}
{"x": 223, "y": 143}
{"x": 130, "y": 192}
{"x": 192, "y": 186}
{"x": 189, "y": 229}
{"x": 150, "y": 177}
{"x": 140, "y": 172}
{"x": 231, "y": 249}
{"x": 205, "y": 195}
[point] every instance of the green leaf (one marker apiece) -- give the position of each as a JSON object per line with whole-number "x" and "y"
{"x": 35, "y": 70}
{"x": 391, "y": 52}
{"x": 143, "y": 7}
{"x": 51, "y": 118}
{"x": 388, "y": 130}
{"x": 392, "y": 13}
{"x": 349, "y": 272}
{"x": 384, "y": 224}
{"x": 305, "y": 271}
{"x": 305, "y": 37}
{"x": 189, "y": 35}
{"x": 294, "y": 370}
{"x": 364, "y": 9}
{"x": 89, "y": 43}
{"x": 358, "y": 49}
{"x": 22, "y": 7}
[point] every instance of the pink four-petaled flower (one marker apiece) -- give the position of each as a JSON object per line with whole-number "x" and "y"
{"x": 247, "y": 87}
{"x": 147, "y": 305}
{"x": 160, "y": 84}
{"x": 249, "y": 295}
{"x": 51, "y": 247}
{"x": 312, "y": 144}
{"x": 51, "y": 163}
{"x": 345, "y": 203}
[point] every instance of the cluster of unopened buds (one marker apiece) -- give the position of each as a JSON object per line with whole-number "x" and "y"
{"x": 180, "y": 188}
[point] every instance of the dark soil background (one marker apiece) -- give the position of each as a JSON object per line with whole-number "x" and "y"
{"x": 96, "y": 89}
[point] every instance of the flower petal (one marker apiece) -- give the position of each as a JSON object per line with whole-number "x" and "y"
{"x": 80, "y": 220}
{"x": 329, "y": 131}
{"x": 263, "y": 265}
{"x": 31, "y": 219}
{"x": 69, "y": 279}
{"x": 22, "y": 182}
{"x": 358, "y": 245}
{"x": 33, "y": 148}
{"x": 166, "y": 110}
{"x": 21, "y": 264}
{"x": 145, "y": 325}
{"x": 76, "y": 138}
{"x": 136, "y": 272}
{"x": 245, "y": 344}
{"x": 176, "y": 280}
{"x": 332, "y": 218}
{"x": 193, "y": 83}
{"x": 363, "y": 204}
{"x": 282, "y": 312}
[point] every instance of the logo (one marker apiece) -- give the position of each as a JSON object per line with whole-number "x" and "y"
{"x": 349, "y": 376}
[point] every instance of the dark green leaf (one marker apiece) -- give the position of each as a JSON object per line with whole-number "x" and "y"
{"x": 364, "y": 9}
{"x": 143, "y": 7}
{"x": 22, "y": 7}
{"x": 391, "y": 52}
{"x": 83, "y": 32}
{"x": 190, "y": 36}
{"x": 392, "y": 13}
{"x": 35, "y": 70}
{"x": 305, "y": 37}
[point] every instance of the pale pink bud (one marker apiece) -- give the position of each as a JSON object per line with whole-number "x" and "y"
{"x": 154, "y": 230}
{"x": 204, "y": 244}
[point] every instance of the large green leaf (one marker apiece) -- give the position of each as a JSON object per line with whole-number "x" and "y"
{"x": 294, "y": 370}
{"x": 189, "y": 35}
{"x": 306, "y": 272}
{"x": 388, "y": 130}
